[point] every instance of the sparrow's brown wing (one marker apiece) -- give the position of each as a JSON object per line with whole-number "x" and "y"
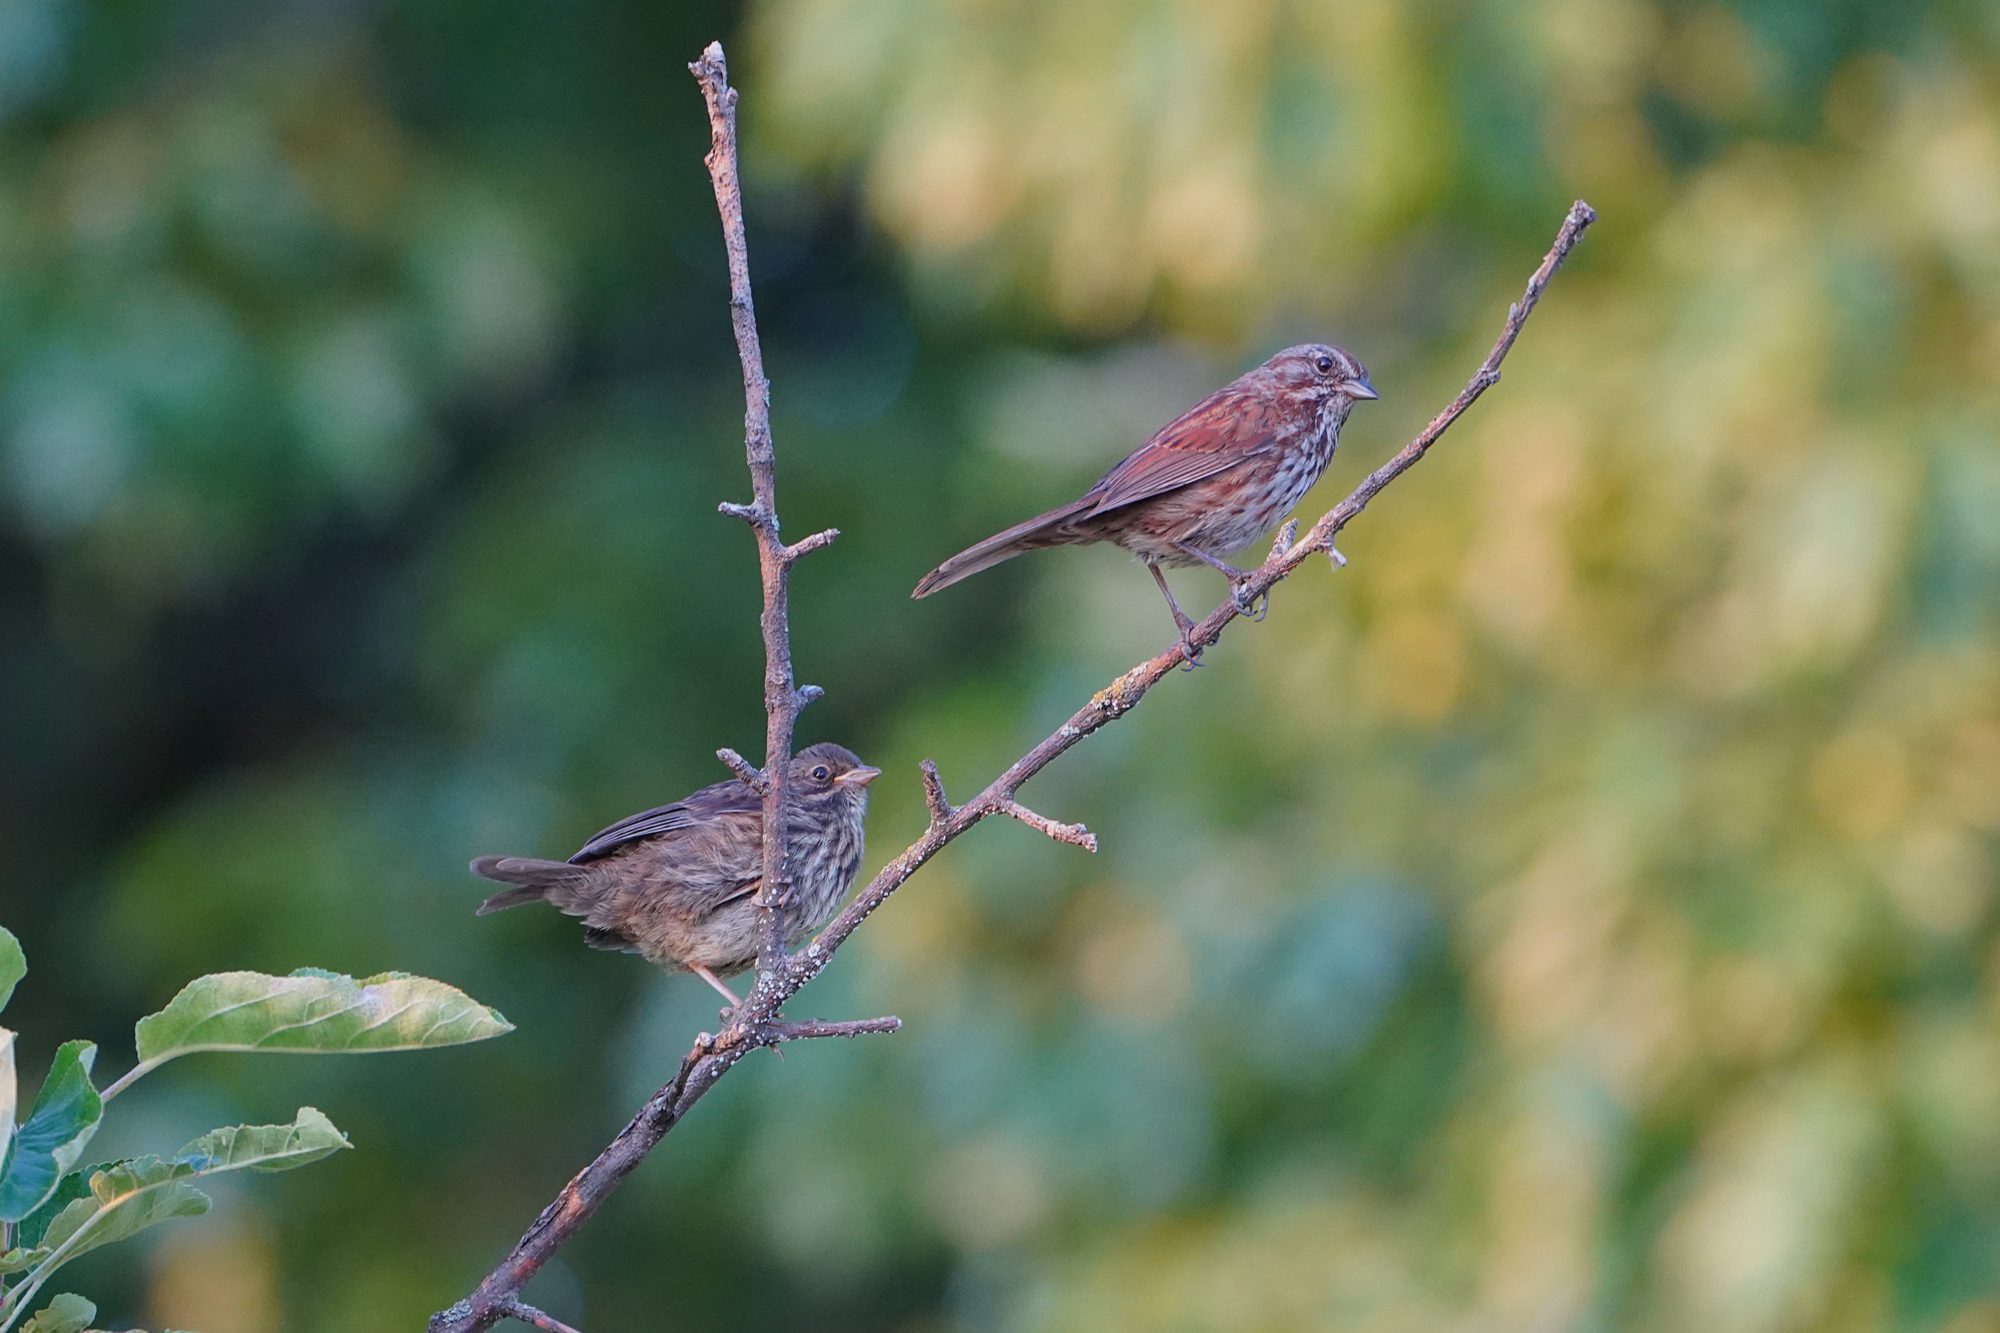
{"x": 1208, "y": 439}
{"x": 1222, "y": 431}
{"x": 724, "y": 798}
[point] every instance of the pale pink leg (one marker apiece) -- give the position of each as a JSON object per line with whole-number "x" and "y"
{"x": 715, "y": 981}
{"x": 1227, "y": 570}
{"x": 1237, "y": 577}
{"x": 1181, "y": 620}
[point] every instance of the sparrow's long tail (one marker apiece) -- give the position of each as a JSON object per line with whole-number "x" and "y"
{"x": 532, "y": 880}
{"x": 1033, "y": 535}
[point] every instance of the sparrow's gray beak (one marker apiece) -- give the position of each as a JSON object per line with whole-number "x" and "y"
{"x": 858, "y": 777}
{"x": 1359, "y": 387}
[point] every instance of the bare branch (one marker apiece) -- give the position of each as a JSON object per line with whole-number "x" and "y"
{"x": 757, "y": 1023}
{"x": 1076, "y": 835}
{"x": 498, "y": 1295}
{"x": 774, "y": 558}
{"x": 1581, "y": 215}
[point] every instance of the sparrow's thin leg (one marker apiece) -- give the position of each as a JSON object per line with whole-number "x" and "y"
{"x": 735, "y": 1001}
{"x": 1229, "y": 571}
{"x": 1255, "y": 608}
{"x": 1185, "y": 625}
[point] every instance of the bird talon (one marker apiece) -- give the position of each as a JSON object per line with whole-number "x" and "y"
{"x": 1255, "y": 607}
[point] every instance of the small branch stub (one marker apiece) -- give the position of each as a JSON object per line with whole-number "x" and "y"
{"x": 808, "y": 1029}
{"x": 805, "y": 546}
{"x": 934, "y": 797}
{"x": 752, "y": 776}
{"x": 1076, "y": 835}
{"x": 534, "y": 1318}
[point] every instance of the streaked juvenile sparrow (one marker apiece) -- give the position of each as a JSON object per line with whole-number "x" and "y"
{"x": 674, "y": 884}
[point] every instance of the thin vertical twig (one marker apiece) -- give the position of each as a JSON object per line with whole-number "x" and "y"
{"x": 782, "y": 697}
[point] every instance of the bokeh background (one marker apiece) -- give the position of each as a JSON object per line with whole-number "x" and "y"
{"x": 1577, "y": 914}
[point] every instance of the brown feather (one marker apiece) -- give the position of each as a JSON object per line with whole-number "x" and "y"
{"x": 1017, "y": 540}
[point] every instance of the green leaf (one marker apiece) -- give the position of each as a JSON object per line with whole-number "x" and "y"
{"x": 9, "y": 1096}
{"x": 125, "y": 1198}
{"x": 13, "y": 965}
{"x": 312, "y": 1012}
{"x": 123, "y": 1201}
{"x": 74, "y": 1186}
{"x": 67, "y": 1313}
{"x": 52, "y": 1138}
{"x": 22, "y": 1257}
{"x": 308, "y": 1138}
{"x": 153, "y": 1183}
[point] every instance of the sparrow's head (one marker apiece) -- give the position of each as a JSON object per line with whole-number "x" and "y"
{"x": 829, "y": 772}
{"x": 1321, "y": 371}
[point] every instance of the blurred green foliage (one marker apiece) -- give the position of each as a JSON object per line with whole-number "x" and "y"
{"x": 1578, "y": 913}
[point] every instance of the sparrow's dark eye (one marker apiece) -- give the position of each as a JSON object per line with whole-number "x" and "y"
{"x": 820, "y": 773}
{"x": 1325, "y": 365}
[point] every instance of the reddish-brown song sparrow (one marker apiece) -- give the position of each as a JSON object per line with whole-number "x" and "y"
{"x": 674, "y": 884}
{"x": 1209, "y": 483}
